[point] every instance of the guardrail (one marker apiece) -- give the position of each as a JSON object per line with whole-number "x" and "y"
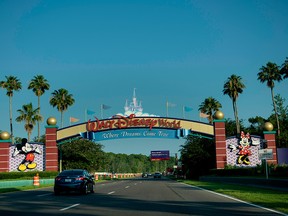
{"x": 105, "y": 175}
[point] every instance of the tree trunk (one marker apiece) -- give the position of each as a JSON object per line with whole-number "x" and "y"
{"x": 10, "y": 112}
{"x": 28, "y": 136}
{"x": 235, "y": 116}
{"x": 275, "y": 110}
{"x": 61, "y": 119}
{"x": 38, "y": 123}
{"x": 238, "y": 122}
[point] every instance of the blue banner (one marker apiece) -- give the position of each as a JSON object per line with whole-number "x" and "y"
{"x": 131, "y": 133}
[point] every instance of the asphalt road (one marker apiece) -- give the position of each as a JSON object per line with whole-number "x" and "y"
{"x": 128, "y": 197}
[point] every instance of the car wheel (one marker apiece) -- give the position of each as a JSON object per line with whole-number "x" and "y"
{"x": 92, "y": 188}
{"x": 56, "y": 192}
{"x": 85, "y": 189}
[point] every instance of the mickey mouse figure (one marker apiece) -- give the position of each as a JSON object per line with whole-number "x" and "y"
{"x": 26, "y": 149}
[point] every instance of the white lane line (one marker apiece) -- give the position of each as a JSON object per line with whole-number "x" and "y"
{"x": 111, "y": 192}
{"x": 41, "y": 195}
{"x": 127, "y": 186}
{"x": 238, "y": 200}
{"x": 69, "y": 207}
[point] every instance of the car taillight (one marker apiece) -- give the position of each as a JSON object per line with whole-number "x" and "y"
{"x": 80, "y": 179}
{"x": 58, "y": 179}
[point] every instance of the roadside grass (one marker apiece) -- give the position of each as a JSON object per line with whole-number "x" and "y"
{"x": 31, "y": 187}
{"x": 23, "y": 188}
{"x": 269, "y": 198}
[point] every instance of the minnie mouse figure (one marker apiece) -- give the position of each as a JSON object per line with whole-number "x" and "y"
{"x": 244, "y": 148}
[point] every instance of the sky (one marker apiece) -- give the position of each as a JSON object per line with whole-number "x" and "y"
{"x": 178, "y": 51}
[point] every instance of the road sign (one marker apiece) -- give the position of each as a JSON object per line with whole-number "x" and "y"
{"x": 265, "y": 154}
{"x": 159, "y": 155}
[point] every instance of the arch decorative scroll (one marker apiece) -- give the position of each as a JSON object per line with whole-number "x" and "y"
{"x": 135, "y": 127}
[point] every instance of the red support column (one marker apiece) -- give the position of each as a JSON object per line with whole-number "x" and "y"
{"x": 271, "y": 144}
{"x": 4, "y": 155}
{"x": 220, "y": 143}
{"x": 51, "y": 148}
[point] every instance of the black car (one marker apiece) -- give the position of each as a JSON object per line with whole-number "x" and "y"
{"x": 78, "y": 180}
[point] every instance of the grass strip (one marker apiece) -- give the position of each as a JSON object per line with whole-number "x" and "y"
{"x": 31, "y": 187}
{"x": 269, "y": 198}
{"x": 23, "y": 188}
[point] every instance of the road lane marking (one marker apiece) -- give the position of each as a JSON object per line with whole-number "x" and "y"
{"x": 127, "y": 186}
{"x": 69, "y": 207}
{"x": 111, "y": 192}
{"x": 41, "y": 195}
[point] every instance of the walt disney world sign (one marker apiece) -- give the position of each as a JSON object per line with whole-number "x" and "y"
{"x": 135, "y": 127}
{"x": 132, "y": 121}
{"x": 124, "y": 128}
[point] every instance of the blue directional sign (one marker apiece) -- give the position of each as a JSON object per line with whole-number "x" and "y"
{"x": 159, "y": 155}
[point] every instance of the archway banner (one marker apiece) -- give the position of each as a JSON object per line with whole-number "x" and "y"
{"x": 134, "y": 133}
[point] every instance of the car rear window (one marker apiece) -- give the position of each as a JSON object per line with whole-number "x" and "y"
{"x": 71, "y": 172}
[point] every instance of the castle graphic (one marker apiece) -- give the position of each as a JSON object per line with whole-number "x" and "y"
{"x": 133, "y": 107}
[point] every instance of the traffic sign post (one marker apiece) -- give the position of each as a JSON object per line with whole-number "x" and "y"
{"x": 265, "y": 154}
{"x": 266, "y": 168}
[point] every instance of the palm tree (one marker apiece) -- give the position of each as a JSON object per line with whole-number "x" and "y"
{"x": 270, "y": 74}
{"x": 39, "y": 85}
{"x": 62, "y": 100}
{"x": 11, "y": 84}
{"x": 30, "y": 116}
{"x": 233, "y": 87}
{"x": 284, "y": 69}
{"x": 209, "y": 106}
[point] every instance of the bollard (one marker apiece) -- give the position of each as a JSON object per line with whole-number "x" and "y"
{"x": 36, "y": 181}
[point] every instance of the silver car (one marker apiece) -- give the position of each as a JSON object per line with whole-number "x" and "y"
{"x": 157, "y": 175}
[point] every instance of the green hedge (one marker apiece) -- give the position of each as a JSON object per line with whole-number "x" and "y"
{"x": 279, "y": 171}
{"x": 235, "y": 172}
{"x": 274, "y": 171}
{"x": 27, "y": 175}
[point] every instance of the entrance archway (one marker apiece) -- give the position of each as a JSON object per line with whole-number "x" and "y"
{"x": 134, "y": 127}
{"x": 156, "y": 127}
